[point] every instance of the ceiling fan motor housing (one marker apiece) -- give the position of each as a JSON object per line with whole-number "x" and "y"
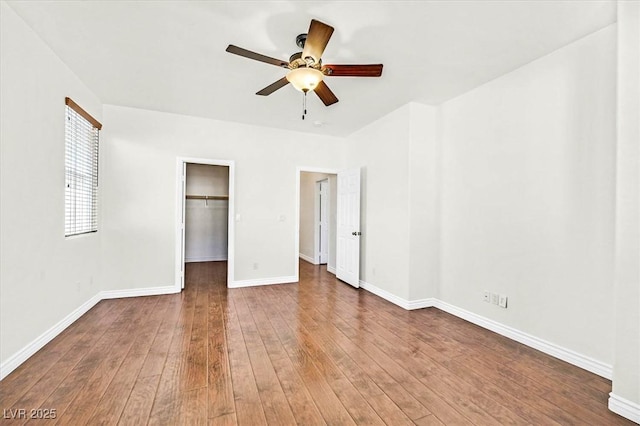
{"x": 300, "y": 40}
{"x": 297, "y": 61}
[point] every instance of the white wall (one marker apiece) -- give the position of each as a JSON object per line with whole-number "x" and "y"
{"x": 381, "y": 149}
{"x": 626, "y": 374}
{"x": 307, "y": 212}
{"x": 424, "y": 201}
{"x": 139, "y": 151}
{"x": 205, "y": 179}
{"x": 206, "y": 221}
{"x": 44, "y": 276}
{"x": 399, "y": 243}
{"x": 528, "y": 196}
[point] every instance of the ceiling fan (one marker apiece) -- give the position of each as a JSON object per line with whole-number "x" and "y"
{"x": 306, "y": 70}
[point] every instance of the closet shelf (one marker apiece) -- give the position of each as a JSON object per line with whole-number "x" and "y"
{"x": 207, "y": 197}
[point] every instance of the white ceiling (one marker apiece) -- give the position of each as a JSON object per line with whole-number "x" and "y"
{"x": 170, "y": 55}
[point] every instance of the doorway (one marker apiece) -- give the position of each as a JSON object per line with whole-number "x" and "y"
{"x": 316, "y": 217}
{"x": 204, "y": 231}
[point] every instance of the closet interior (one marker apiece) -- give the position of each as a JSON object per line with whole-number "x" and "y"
{"x": 206, "y": 213}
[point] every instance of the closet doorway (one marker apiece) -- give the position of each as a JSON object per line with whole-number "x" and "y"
{"x": 206, "y": 209}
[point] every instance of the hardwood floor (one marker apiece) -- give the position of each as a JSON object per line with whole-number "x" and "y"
{"x": 319, "y": 352}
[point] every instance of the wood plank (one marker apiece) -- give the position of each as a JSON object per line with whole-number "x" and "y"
{"x": 248, "y": 405}
{"x": 300, "y": 400}
{"x": 140, "y": 401}
{"x": 388, "y": 411}
{"x": 317, "y": 352}
{"x": 115, "y": 397}
{"x": 274, "y": 402}
{"x": 429, "y": 399}
{"x": 360, "y": 367}
{"x": 224, "y": 420}
{"x": 298, "y": 342}
{"x": 220, "y": 386}
{"x": 40, "y": 367}
{"x": 92, "y": 390}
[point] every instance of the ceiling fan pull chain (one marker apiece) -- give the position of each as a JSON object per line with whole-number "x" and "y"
{"x": 304, "y": 104}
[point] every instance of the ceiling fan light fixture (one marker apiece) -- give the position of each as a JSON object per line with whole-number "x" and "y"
{"x": 304, "y": 78}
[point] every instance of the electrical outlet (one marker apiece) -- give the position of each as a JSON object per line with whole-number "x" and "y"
{"x": 495, "y": 298}
{"x": 502, "y": 302}
{"x": 486, "y": 296}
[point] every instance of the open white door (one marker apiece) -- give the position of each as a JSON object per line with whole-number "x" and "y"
{"x": 348, "y": 221}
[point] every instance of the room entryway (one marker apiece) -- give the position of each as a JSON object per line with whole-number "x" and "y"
{"x": 317, "y": 218}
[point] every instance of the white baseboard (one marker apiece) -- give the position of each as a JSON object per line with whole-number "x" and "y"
{"x": 138, "y": 292}
{"x": 624, "y": 407}
{"x": 38, "y": 343}
{"x": 263, "y": 281}
{"x": 421, "y": 303}
{"x": 331, "y": 269}
{"x": 597, "y": 367}
{"x": 205, "y": 259}
{"x": 557, "y": 351}
{"x": 307, "y": 258}
{"x": 403, "y": 303}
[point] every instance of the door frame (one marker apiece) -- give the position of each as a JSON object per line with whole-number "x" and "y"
{"x": 317, "y": 233}
{"x": 299, "y": 170}
{"x": 181, "y": 167}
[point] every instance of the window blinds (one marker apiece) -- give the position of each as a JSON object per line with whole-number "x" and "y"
{"x": 81, "y": 171}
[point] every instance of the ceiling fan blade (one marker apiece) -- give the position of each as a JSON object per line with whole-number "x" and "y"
{"x": 325, "y": 94}
{"x": 256, "y": 56}
{"x": 372, "y": 70}
{"x": 273, "y": 87}
{"x": 317, "y": 39}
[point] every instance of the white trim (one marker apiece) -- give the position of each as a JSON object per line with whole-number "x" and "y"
{"x": 421, "y": 303}
{"x": 263, "y": 281}
{"x": 309, "y": 259}
{"x": 331, "y": 269}
{"x": 585, "y": 362}
{"x": 624, "y": 407}
{"x": 299, "y": 170}
{"x": 218, "y": 258}
{"x": 181, "y": 175}
{"x": 180, "y": 205}
{"x": 316, "y": 223}
{"x": 38, "y": 343}
{"x": 403, "y": 303}
{"x": 317, "y": 208}
{"x": 138, "y": 292}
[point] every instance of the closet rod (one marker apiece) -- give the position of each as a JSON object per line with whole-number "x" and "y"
{"x": 207, "y": 197}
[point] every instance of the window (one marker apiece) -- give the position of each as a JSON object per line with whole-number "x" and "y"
{"x": 81, "y": 171}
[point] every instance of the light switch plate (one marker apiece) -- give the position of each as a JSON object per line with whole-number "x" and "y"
{"x": 503, "y": 301}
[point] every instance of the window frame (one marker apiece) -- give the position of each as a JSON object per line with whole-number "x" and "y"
{"x": 81, "y": 171}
